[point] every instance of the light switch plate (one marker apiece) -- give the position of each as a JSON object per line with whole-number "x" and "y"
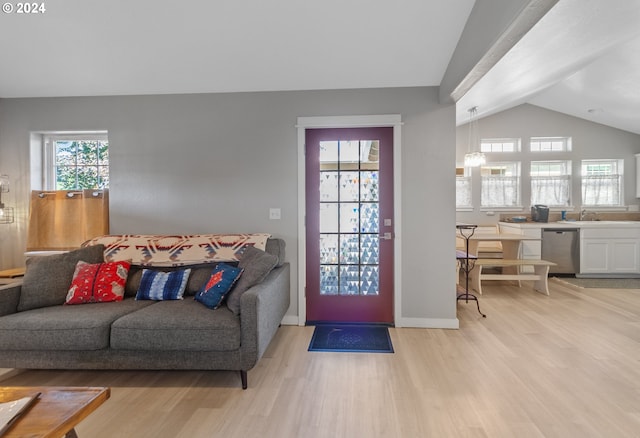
{"x": 274, "y": 213}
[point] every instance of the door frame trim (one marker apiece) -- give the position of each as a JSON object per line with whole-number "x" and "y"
{"x": 383, "y": 120}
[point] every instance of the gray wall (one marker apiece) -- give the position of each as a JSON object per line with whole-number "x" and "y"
{"x": 589, "y": 141}
{"x": 217, "y": 163}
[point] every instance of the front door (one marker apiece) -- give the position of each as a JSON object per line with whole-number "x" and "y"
{"x": 349, "y": 225}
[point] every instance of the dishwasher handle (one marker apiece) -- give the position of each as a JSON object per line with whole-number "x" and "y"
{"x": 560, "y": 230}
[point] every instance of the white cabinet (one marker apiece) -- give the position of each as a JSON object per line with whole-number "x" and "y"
{"x": 607, "y": 248}
{"x": 610, "y": 251}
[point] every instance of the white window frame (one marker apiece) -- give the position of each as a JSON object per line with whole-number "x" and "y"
{"x": 516, "y": 168}
{"x": 556, "y": 144}
{"x": 49, "y": 159}
{"x": 617, "y": 175}
{"x": 465, "y": 178}
{"x": 562, "y": 180}
{"x": 497, "y": 145}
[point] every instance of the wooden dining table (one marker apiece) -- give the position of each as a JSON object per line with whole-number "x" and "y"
{"x": 56, "y": 412}
{"x": 510, "y": 243}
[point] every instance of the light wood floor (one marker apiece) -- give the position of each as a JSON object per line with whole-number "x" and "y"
{"x": 566, "y": 365}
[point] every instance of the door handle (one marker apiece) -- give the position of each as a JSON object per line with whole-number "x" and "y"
{"x": 386, "y": 236}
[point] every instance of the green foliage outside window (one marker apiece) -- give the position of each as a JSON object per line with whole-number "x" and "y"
{"x": 82, "y": 164}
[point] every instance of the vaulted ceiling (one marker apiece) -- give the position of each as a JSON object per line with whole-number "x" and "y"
{"x": 581, "y": 58}
{"x": 115, "y": 47}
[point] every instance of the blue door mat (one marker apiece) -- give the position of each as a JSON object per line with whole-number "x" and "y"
{"x": 355, "y": 338}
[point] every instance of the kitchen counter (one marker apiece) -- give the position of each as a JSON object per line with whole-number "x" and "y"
{"x": 574, "y": 224}
{"x": 607, "y": 248}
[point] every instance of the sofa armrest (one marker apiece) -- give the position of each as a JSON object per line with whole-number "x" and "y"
{"x": 9, "y": 298}
{"x": 262, "y": 308}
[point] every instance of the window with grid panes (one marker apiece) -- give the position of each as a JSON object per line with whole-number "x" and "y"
{"x": 602, "y": 183}
{"x": 551, "y": 183}
{"x": 550, "y": 144}
{"x": 500, "y": 145}
{"x": 76, "y": 161}
{"x": 463, "y": 187}
{"x": 500, "y": 185}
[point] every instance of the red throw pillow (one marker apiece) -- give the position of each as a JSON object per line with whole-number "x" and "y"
{"x": 98, "y": 283}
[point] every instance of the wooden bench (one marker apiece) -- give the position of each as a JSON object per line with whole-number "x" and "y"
{"x": 512, "y": 272}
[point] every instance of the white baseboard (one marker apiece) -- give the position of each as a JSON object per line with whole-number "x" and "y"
{"x": 435, "y": 323}
{"x": 290, "y": 320}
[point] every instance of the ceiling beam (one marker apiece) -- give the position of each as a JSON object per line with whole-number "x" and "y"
{"x": 493, "y": 28}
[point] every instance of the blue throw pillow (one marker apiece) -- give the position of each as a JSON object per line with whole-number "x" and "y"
{"x": 158, "y": 285}
{"x": 219, "y": 284}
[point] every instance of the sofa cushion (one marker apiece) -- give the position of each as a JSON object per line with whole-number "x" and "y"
{"x": 219, "y": 284}
{"x": 64, "y": 327}
{"x": 159, "y": 286}
{"x": 177, "y": 325}
{"x": 256, "y": 265}
{"x": 200, "y": 274}
{"x": 98, "y": 282}
{"x": 276, "y": 247}
{"x": 47, "y": 278}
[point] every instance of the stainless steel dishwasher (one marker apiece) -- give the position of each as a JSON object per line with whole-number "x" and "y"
{"x": 561, "y": 246}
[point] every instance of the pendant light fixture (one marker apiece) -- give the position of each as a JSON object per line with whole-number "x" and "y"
{"x": 474, "y": 157}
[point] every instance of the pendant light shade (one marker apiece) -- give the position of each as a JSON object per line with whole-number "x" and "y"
{"x": 474, "y": 157}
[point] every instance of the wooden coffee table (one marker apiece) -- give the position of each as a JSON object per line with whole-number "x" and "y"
{"x": 57, "y": 411}
{"x": 12, "y": 273}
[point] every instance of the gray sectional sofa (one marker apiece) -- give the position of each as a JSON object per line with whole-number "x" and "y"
{"x": 39, "y": 331}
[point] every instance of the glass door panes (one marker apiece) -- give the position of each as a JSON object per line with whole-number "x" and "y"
{"x": 349, "y": 217}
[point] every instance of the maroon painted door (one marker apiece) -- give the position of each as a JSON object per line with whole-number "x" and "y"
{"x": 349, "y": 225}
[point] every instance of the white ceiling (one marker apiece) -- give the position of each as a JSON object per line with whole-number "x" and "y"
{"x": 115, "y": 47}
{"x": 584, "y": 54}
{"x": 606, "y": 91}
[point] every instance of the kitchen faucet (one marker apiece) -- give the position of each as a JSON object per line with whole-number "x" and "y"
{"x": 583, "y": 213}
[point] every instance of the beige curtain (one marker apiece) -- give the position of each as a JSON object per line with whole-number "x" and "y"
{"x": 64, "y": 219}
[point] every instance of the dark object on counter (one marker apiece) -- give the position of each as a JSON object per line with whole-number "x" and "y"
{"x": 540, "y": 213}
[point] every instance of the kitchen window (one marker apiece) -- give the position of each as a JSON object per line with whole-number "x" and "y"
{"x": 602, "y": 183}
{"x": 551, "y": 183}
{"x": 500, "y": 145}
{"x": 550, "y": 144}
{"x": 500, "y": 185}
{"x": 463, "y": 188}
{"x": 76, "y": 161}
